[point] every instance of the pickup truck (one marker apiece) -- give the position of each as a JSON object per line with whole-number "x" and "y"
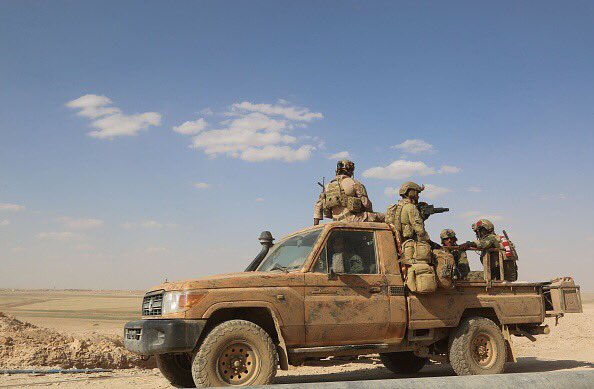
{"x": 335, "y": 290}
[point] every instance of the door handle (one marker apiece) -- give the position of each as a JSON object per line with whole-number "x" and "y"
{"x": 322, "y": 291}
{"x": 375, "y": 289}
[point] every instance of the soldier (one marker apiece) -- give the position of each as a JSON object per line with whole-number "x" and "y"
{"x": 407, "y": 220}
{"x": 486, "y": 241}
{"x": 448, "y": 238}
{"x": 345, "y": 198}
{"x": 344, "y": 260}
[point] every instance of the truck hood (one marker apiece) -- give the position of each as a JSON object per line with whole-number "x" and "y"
{"x": 236, "y": 280}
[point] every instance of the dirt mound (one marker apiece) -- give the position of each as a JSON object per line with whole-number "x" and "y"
{"x": 25, "y": 345}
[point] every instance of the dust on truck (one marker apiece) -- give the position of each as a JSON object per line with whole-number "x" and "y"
{"x": 295, "y": 302}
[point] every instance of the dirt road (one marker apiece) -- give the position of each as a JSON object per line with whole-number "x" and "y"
{"x": 569, "y": 346}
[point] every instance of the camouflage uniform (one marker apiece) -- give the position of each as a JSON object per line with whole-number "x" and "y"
{"x": 350, "y": 190}
{"x": 490, "y": 241}
{"x": 460, "y": 257}
{"x": 406, "y": 218}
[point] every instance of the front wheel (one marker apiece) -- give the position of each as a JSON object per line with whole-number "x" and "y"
{"x": 403, "y": 362}
{"x": 177, "y": 368}
{"x": 235, "y": 353}
{"x": 477, "y": 347}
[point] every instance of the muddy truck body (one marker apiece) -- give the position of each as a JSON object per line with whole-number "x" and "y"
{"x": 292, "y": 304}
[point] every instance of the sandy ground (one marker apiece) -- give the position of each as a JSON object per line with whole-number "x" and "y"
{"x": 570, "y": 345}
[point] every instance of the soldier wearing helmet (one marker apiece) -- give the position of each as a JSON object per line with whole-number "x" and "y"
{"x": 406, "y": 218}
{"x": 345, "y": 198}
{"x": 486, "y": 241}
{"x": 448, "y": 238}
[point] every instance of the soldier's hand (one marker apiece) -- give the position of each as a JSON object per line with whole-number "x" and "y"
{"x": 316, "y": 221}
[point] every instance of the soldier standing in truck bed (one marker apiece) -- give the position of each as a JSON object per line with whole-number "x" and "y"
{"x": 345, "y": 198}
{"x": 487, "y": 241}
{"x": 406, "y": 218}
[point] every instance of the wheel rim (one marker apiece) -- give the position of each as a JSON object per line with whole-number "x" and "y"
{"x": 484, "y": 351}
{"x": 238, "y": 363}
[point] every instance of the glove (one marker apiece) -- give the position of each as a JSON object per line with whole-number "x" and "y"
{"x": 316, "y": 221}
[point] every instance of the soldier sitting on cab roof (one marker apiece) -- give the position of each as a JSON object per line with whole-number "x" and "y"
{"x": 344, "y": 198}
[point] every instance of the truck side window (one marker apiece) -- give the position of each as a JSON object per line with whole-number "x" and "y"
{"x": 352, "y": 252}
{"x": 321, "y": 265}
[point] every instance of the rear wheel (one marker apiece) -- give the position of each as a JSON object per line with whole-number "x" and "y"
{"x": 177, "y": 368}
{"x": 403, "y": 363}
{"x": 235, "y": 353}
{"x": 477, "y": 347}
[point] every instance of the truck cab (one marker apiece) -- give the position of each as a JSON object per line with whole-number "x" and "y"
{"x": 329, "y": 290}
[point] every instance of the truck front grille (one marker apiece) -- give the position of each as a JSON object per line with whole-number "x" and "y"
{"x": 152, "y": 304}
{"x": 133, "y": 333}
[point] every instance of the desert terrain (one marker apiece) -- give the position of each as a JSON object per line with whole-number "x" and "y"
{"x": 86, "y": 327}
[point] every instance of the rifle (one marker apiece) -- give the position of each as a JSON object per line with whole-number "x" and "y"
{"x": 323, "y": 185}
{"x": 430, "y": 209}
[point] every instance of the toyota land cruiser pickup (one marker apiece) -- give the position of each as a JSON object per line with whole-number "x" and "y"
{"x": 295, "y": 302}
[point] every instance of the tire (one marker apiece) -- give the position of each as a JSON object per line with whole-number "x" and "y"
{"x": 477, "y": 347}
{"x": 241, "y": 345}
{"x": 177, "y": 368}
{"x": 403, "y": 362}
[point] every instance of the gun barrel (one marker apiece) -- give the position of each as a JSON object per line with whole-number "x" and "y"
{"x": 440, "y": 210}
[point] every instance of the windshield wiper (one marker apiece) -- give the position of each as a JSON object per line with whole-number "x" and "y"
{"x": 279, "y": 267}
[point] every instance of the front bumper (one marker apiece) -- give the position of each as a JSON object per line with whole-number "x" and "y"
{"x": 161, "y": 336}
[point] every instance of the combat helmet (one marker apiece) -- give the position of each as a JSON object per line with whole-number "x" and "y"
{"x": 345, "y": 166}
{"x": 410, "y": 185}
{"x": 483, "y": 223}
{"x": 447, "y": 233}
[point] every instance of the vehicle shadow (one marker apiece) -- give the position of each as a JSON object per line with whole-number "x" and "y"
{"x": 537, "y": 365}
{"x": 371, "y": 369}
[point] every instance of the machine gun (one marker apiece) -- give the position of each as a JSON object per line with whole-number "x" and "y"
{"x": 430, "y": 209}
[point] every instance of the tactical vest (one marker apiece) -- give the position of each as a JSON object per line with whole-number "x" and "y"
{"x": 335, "y": 196}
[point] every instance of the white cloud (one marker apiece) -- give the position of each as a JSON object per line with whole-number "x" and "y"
{"x": 156, "y": 250}
{"x": 415, "y": 146}
{"x": 191, "y": 127}
{"x": 340, "y": 155}
{"x": 546, "y": 197}
{"x": 282, "y": 109}
{"x": 4, "y": 222}
{"x": 398, "y": 170}
{"x": 201, "y": 185}
{"x": 109, "y": 121}
{"x": 81, "y": 224}
{"x": 11, "y": 207}
{"x": 473, "y": 216}
{"x": 147, "y": 224}
{"x": 391, "y": 192}
{"x": 256, "y": 132}
{"x": 62, "y": 236}
{"x": 447, "y": 169}
{"x": 475, "y": 189}
{"x": 433, "y": 191}
{"x": 259, "y": 200}
{"x": 207, "y": 111}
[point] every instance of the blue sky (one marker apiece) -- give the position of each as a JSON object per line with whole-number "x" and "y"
{"x": 101, "y": 192}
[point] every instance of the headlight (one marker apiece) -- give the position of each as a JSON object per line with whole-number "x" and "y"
{"x": 180, "y": 301}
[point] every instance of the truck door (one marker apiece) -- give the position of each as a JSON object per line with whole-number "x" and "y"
{"x": 351, "y": 306}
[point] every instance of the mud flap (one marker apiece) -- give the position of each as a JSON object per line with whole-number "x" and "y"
{"x": 509, "y": 344}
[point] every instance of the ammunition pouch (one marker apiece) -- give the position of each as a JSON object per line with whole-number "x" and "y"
{"x": 420, "y": 278}
{"x": 445, "y": 268}
{"x": 354, "y": 204}
{"x": 416, "y": 252}
{"x": 334, "y": 196}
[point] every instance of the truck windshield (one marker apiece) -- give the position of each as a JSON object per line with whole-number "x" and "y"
{"x": 291, "y": 253}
